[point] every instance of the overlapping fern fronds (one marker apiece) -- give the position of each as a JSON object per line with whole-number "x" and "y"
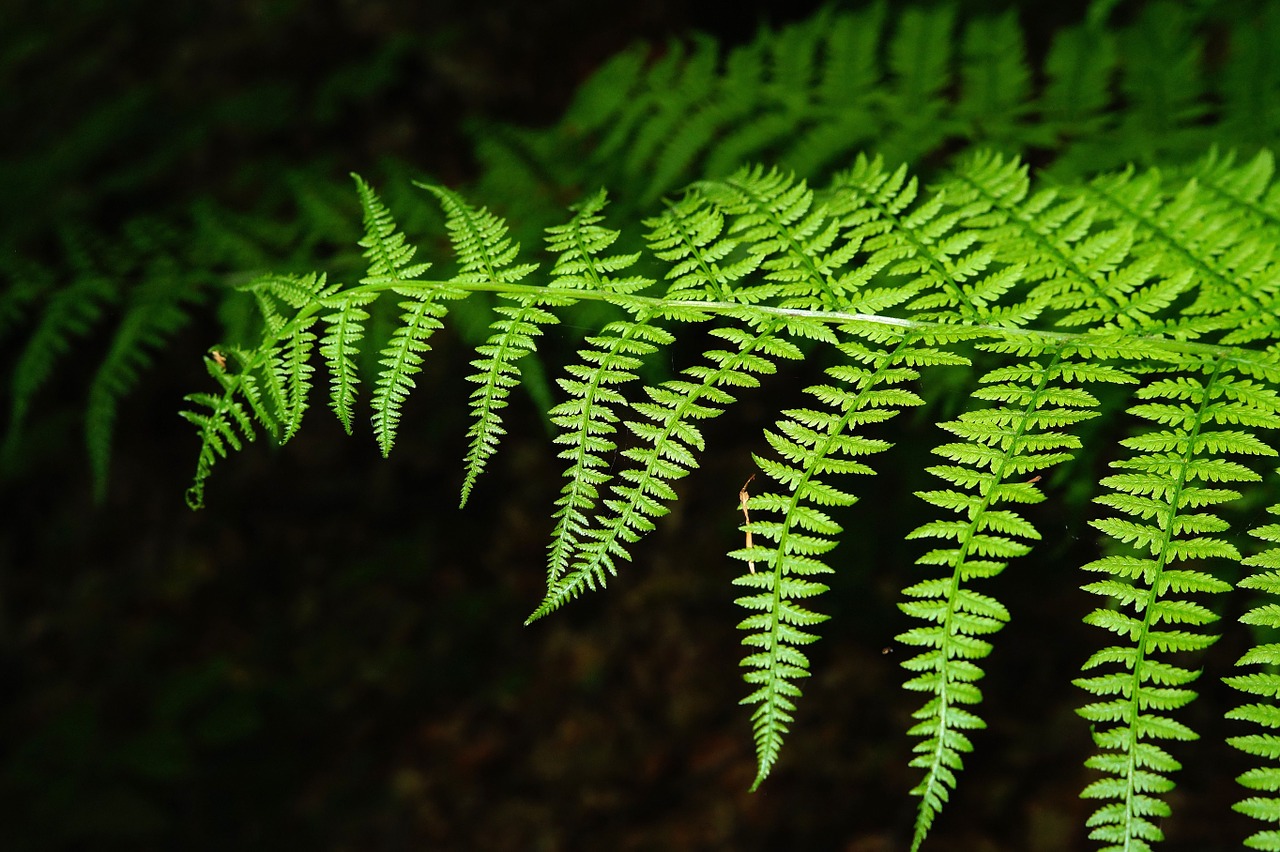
{"x": 1133, "y": 278}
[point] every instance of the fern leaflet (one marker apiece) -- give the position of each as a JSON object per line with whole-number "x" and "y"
{"x": 1156, "y": 488}
{"x": 1264, "y": 685}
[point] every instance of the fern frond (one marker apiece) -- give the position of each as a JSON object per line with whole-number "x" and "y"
{"x": 923, "y": 244}
{"x": 70, "y": 313}
{"x": 388, "y": 255}
{"x": 669, "y": 443}
{"x": 691, "y": 238}
{"x": 1249, "y": 80}
{"x": 814, "y": 444}
{"x": 995, "y": 84}
{"x": 587, "y": 418}
{"x": 485, "y": 253}
{"x": 918, "y": 67}
{"x": 1152, "y": 493}
{"x": 401, "y": 360}
{"x": 797, "y": 238}
{"x": 344, "y": 329}
{"x": 1005, "y": 450}
{"x": 1264, "y": 686}
{"x": 225, "y": 420}
{"x": 157, "y": 312}
{"x": 284, "y": 363}
{"x": 390, "y": 259}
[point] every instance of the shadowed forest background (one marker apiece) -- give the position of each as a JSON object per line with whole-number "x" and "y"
{"x": 331, "y": 656}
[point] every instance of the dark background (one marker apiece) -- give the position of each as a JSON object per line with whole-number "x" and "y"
{"x": 331, "y": 655}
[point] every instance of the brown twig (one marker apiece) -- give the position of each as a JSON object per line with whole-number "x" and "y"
{"x": 743, "y": 497}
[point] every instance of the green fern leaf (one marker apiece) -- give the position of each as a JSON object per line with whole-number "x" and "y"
{"x": 401, "y": 360}
{"x": 1264, "y": 712}
{"x": 1155, "y": 488}
{"x": 224, "y": 423}
{"x": 485, "y": 254}
{"x": 1020, "y": 436}
{"x": 813, "y": 444}
{"x": 340, "y": 345}
{"x": 70, "y": 313}
{"x": 587, "y": 418}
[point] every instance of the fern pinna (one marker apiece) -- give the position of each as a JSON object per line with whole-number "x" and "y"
{"x": 1157, "y": 286}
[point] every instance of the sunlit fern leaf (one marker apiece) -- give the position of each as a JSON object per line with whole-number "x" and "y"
{"x": 799, "y": 240}
{"x": 669, "y": 442}
{"x": 791, "y": 528}
{"x": 390, "y": 258}
{"x": 1136, "y": 275}
{"x": 224, "y": 422}
{"x": 401, "y": 360}
{"x": 588, "y": 417}
{"x": 1263, "y": 684}
{"x": 1172, "y": 469}
{"x": 285, "y": 367}
{"x": 1201, "y": 241}
{"x": 690, "y": 237}
{"x": 918, "y": 239}
{"x": 339, "y": 347}
{"x": 586, "y": 421}
{"x": 485, "y": 254}
{"x": 388, "y": 254}
{"x": 1004, "y": 450}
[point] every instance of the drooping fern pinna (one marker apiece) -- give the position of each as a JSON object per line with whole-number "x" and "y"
{"x": 1163, "y": 288}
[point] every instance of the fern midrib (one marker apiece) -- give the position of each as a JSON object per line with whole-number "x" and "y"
{"x": 345, "y": 374}
{"x": 476, "y": 455}
{"x": 1166, "y": 540}
{"x": 1249, "y": 358}
{"x": 1029, "y": 409}
{"x": 562, "y": 548}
